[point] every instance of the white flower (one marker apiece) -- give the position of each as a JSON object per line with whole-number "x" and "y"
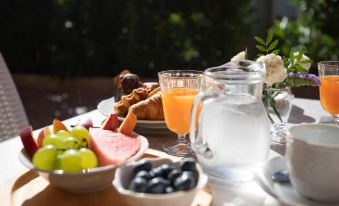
{"x": 306, "y": 66}
{"x": 241, "y": 56}
{"x": 275, "y": 71}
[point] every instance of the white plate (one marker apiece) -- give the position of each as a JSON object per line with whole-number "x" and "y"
{"x": 91, "y": 180}
{"x": 282, "y": 191}
{"x": 105, "y": 107}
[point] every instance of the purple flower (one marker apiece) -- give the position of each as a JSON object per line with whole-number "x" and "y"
{"x": 305, "y": 76}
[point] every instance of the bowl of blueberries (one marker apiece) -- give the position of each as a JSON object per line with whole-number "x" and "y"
{"x": 160, "y": 181}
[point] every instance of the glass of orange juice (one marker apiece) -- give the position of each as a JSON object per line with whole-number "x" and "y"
{"x": 178, "y": 90}
{"x": 329, "y": 87}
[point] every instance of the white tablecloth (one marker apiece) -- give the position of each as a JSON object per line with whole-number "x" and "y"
{"x": 304, "y": 110}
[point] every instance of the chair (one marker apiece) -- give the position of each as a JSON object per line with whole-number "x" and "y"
{"x": 12, "y": 114}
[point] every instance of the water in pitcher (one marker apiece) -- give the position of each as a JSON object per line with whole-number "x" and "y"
{"x": 236, "y": 129}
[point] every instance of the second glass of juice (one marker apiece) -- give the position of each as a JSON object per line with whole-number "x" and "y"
{"x": 329, "y": 87}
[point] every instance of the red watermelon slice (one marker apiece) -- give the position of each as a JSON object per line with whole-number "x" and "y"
{"x": 112, "y": 148}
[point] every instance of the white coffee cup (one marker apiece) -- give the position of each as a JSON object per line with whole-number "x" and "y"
{"x": 313, "y": 161}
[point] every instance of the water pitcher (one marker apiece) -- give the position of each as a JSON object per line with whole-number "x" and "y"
{"x": 229, "y": 129}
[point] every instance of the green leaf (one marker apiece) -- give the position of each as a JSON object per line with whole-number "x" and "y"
{"x": 269, "y": 37}
{"x": 306, "y": 61}
{"x": 260, "y": 55}
{"x": 260, "y": 40}
{"x": 261, "y": 48}
{"x": 273, "y": 45}
{"x": 292, "y": 57}
{"x": 300, "y": 54}
{"x": 273, "y": 105}
{"x": 300, "y": 68}
{"x": 276, "y": 52}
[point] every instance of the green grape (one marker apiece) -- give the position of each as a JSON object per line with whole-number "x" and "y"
{"x": 53, "y": 140}
{"x": 70, "y": 161}
{"x": 45, "y": 157}
{"x": 88, "y": 158}
{"x": 82, "y": 134}
{"x": 71, "y": 143}
{"x": 57, "y": 162}
{"x": 63, "y": 134}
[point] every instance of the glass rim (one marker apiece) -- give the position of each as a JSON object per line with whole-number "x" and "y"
{"x": 232, "y": 71}
{"x": 167, "y": 73}
{"x": 330, "y": 63}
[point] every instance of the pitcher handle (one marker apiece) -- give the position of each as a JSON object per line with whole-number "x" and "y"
{"x": 198, "y": 143}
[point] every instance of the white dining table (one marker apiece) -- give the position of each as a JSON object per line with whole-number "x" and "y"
{"x": 303, "y": 111}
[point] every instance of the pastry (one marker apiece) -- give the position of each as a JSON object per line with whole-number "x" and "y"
{"x": 121, "y": 107}
{"x": 149, "y": 109}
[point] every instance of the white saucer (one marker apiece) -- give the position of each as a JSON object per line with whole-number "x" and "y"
{"x": 284, "y": 192}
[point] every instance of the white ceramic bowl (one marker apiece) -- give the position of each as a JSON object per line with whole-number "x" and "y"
{"x": 124, "y": 174}
{"x": 313, "y": 161}
{"x": 88, "y": 181}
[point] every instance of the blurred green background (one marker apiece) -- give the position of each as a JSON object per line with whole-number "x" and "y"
{"x": 102, "y": 37}
{"x": 63, "y": 54}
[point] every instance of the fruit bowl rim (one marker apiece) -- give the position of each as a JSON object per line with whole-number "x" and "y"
{"x": 27, "y": 162}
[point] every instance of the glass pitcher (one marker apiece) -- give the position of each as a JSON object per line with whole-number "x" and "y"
{"x": 230, "y": 130}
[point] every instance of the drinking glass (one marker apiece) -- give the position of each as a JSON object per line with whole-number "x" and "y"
{"x": 329, "y": 87}
{"x": 280, "y": 114}
{"x": 178, "y": 90}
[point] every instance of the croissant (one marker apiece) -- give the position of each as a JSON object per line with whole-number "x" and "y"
{"x": 121, "y": 107}
{"x": 149, "y": 109}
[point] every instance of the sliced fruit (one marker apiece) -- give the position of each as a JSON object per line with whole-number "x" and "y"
{"x": 27, "y": 139}
{"x": 112, "y": 148}
{"x": 42, "y": 134}
{"x": 111, "y": 123}
{"x": 58, "y": 125}
{"x": 41, "y": 137}
{"x": 87, "y": 123}
{"x": 128, "y": 125}
{"x": 48, "y": 130}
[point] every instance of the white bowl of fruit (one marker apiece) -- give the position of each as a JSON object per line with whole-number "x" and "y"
{"x": 82, "y": 158}
{"x": 160, "y": 182}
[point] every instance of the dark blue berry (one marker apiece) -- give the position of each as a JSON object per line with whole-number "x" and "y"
{"x": 157, "y": 185}
{"x": 169, "y": 189}
{"x": 188, "y": 164}
{"x": 166, "y": 169}
{"x": 138, "y": 184}
{"x": 186, "y": 181}
{"x": 144, "y": 174}
{"x": 173, "y": 175}
{"x": 142, "y": 165}
{"x": 157, "y": 172}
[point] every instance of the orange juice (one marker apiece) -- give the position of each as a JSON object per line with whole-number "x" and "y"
{"x": 329, "y": 94}
{"x": 177, "y": 104}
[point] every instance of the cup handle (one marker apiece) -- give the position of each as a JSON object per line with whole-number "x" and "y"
{"x": 198, "y": 143}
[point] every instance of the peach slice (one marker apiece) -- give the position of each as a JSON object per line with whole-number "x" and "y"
{"x": 42, "y": 134}
{"x": 58, "y": 125}
{"x": 128, "y": 125}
